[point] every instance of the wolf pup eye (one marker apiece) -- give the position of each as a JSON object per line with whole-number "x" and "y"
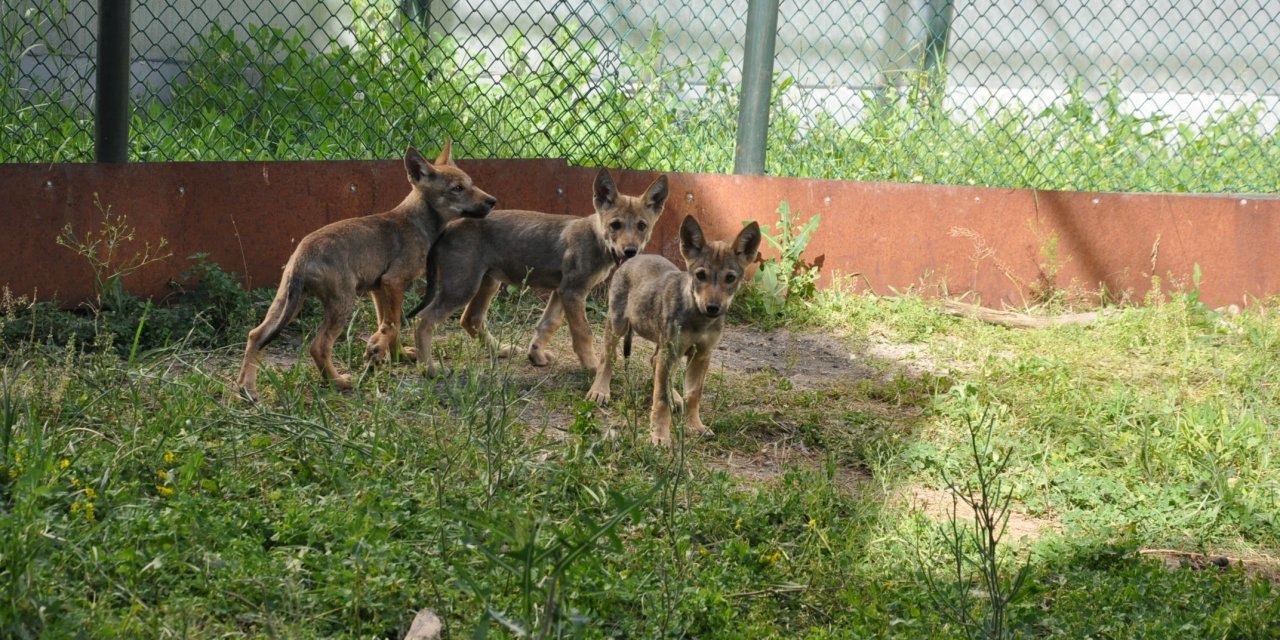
{"x": 700, "y": 275}
{"x": 615, "y": 225}
{"x": 457, "y": 188}
{"x": 729, "y": 278}
{"x": 641, "y": 226}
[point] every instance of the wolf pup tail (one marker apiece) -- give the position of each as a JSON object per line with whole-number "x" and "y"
{"x": 626, "y": 343}
{"x": 433, "y": 261}
{"x": 282, "y": 311}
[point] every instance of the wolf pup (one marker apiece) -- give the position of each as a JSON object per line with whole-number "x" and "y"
{"x": 381, "y": 254}
{"x": 682, "y": 312}
{"x": 567, "y": 254}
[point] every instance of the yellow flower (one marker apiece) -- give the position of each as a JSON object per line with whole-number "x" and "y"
{"x": 13, "y": 473}
{"x": 75, "y": 506}
{"x": 169, "y": 458}
{"x": 88, "y": 512}
{"x": 737, "y": 526}
{"x": 162, "y": 474}
{"x": 773, "y": 557}
{"x": 75, "y": 482}
{"x": 812, "y": 523}
{"x": 90, "y": 493}
{"x": 164, "y": 491}
{"x": 64, "y": 463}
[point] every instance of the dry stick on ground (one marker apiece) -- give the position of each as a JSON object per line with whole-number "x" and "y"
{"x": 1016, "y": 319}
{"x": 1260, "y": 567}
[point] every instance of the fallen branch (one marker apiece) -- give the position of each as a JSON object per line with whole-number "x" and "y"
{"x": 774, "y": 590}
{"x": 1019, "y": 320}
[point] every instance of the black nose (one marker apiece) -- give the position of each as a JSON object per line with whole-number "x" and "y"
{"x": 490, "y": 201}
{"x": 630, "y": 252}
{"x": 713, "y": 309}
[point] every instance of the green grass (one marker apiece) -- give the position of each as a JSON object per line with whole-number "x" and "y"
{"x": 492, "y": 491}
{"x": 265, "y": 97}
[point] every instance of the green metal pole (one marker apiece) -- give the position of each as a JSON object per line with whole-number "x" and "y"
{"x": 757, "y": 85}
{"x": 111, "y": 94}
{"x": 938, "y": 18}
{"x": 938, "y": 15}
{"x": 417, "y": 11}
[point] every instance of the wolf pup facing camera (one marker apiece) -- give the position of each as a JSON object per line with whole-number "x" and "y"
{"x": 681, "y": 312}
{"x": 568, "y": 254}
{"x": 380, "y": 254}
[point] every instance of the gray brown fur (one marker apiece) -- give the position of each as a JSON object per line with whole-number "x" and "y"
{"x": 567, "y": 254}
{"x": 379, "y": 254}
{"x": 681, "y": 312}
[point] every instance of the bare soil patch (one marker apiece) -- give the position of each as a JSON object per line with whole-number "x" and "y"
{"x": 939, "y": 505}
{"x": 771, "y": 463}
{"x": 811, "y": 360}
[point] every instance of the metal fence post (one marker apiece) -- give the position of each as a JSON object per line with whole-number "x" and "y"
{"x": 938, "y": 16}
{"x": 757, "y": 85}
{"x": 417, "y": 11}
{"x": 111, "y": 94}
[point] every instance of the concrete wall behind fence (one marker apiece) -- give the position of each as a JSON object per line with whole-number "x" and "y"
{"x": 248, "y": 216}
{"x": 1178, "y": 57}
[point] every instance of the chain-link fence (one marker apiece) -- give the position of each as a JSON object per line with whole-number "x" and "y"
{"x": 1173, "y": 96}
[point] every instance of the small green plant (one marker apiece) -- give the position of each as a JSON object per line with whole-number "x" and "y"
{"x": 105, "y": 250}
{"x": 973, "y": 549}
{"x": 783, "y": 281}
{"x": 538, "y": 556}
{"x": 1045, "y": 289}
{"x": 214, "y": 308}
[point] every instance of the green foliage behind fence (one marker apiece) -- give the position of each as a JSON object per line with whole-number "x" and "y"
{"x": 604, "y": 91}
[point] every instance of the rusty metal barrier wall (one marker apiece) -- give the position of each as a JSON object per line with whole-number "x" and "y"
{"x": 248, "y": 216}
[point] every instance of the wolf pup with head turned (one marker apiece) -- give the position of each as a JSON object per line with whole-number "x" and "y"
{"x": 380, "y": 254}
{"x": 681, "y": 312}
{"x": 567, "y": 254}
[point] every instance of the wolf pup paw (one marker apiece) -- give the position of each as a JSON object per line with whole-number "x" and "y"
{"x": 342, "y": 382}
{"x": 598, "y": 396}
{"x": 540, "y": 357}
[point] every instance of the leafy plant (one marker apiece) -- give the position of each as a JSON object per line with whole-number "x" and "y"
{"x": 211, "y": 301}
{"x": 538, "y": 557}
{"x": 105, "y": 250}
{"x": 974, "y": 548}
{"x": 787, "y": 279}
{"x": 1045, "y": 289}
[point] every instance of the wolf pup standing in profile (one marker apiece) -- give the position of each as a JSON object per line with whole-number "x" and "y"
{"x": 567, "y": 254}
{"x": 381, "y": 254}
{"x": 682, "y": 312}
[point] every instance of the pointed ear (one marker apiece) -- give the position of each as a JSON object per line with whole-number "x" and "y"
{"x": 692, "y": 242}
{"x": 446, "y": 153}
{"x": 747, "y": 244}
{"x": 656, "y": 195}
{"x": 606, "y": 193}
{"x": 416, "y": 166}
